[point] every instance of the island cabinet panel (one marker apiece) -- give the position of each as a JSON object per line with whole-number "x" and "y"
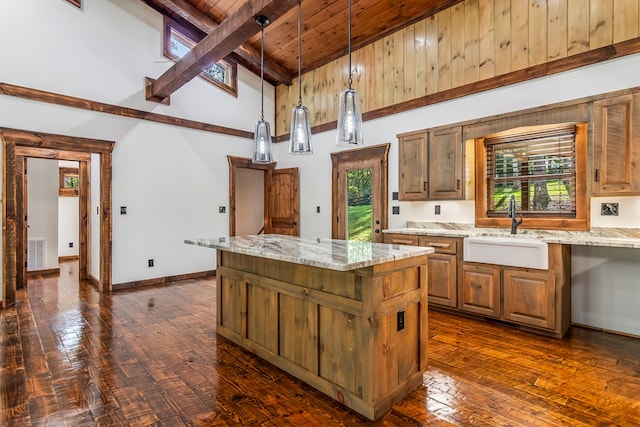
{"x": 262, "y": 329}
{"x": 359, "y": 336}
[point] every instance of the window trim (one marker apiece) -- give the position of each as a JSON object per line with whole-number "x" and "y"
{"x": 579, "y": 223}
{"x": 190, "y": 36}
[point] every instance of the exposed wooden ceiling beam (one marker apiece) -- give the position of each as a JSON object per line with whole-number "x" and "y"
{"x": 246, "y": 54}
{"x": 230, "y": 34}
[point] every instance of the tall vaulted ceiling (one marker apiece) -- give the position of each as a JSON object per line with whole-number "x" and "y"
{"x": 324, "y": 28}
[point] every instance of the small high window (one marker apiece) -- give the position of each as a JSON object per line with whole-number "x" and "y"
{"x": 178, "y": 42}
{"x": 543, "y": 167}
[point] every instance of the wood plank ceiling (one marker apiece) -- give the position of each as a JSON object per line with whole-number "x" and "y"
{"x": 324, "y": 28}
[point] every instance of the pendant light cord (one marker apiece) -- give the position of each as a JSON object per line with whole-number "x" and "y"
{"x": 262, "y": 70}
{"x": 350, "y": 44}
{"x": 299, "y": 54}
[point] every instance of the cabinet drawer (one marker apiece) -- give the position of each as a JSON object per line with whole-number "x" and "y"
{"x": 442, "y": 245}
{"x": 401, "y": 239}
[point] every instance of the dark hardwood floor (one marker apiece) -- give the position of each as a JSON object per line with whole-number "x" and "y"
{"x": 72, "y": 357}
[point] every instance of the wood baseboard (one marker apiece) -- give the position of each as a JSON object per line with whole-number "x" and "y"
{"x": 93, "y": 280}
{"x": 162, "y": 280}
{"x": 68, "y": 258}
{"x": 47, "y": 272}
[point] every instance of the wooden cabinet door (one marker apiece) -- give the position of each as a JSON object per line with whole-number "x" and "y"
{"x": 282, "y": 202}
{"x": 480, "y": 289}
{"x": 446, "y": 160}
{"x": 412, "y": 166}
{"x": 530, "y": 297}
{"x": 616, "y": 152}
{"x": 443, "y": 279}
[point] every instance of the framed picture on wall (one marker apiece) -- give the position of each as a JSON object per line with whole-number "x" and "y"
{"x": 69, "y": 182}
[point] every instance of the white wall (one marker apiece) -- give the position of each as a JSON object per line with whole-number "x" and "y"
{"x": 68, "y": 220}
{"x": 42, "y": 206}
{"x": 171, "y": 179}
{"x": 588, "y": 277}
{"x": 249, "y": 201}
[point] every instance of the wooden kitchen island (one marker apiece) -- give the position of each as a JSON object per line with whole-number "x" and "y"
{"x": 348, "y": 318}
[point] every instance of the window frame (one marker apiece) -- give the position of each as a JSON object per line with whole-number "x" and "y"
{"x": 547, "y": 221}
{"x": 191, "y": 38}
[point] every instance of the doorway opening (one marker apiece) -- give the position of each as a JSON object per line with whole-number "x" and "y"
{"x": 359, "y": 193}
{"x": 262, "y": 199}
{"x": 17, "y": 146}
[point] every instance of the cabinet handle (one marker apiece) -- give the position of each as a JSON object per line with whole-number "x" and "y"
{"x": 458, "y": 184}
{"x": 596, "y": 177}
{"x": 424, "y": 185}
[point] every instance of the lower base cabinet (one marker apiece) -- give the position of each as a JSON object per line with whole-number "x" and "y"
{"x": 530, "y": 298}
{"x": 480, "y": 289}
{"x": 442, "y": 279}
{"x": 536, "y": 300}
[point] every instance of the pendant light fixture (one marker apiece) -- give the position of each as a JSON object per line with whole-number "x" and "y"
{"x": 349, "y": 115}
{"x": 300, "y": 135}
{"x": 262, "y": 137}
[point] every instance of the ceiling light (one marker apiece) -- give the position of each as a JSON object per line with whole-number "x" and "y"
{"x": 349, "y": 115}
{"x": 300, "y": 135}
{"x": 262, "y": 137}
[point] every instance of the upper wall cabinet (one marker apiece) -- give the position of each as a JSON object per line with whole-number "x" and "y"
{"x": 412, "y": 166}
{"x": 431, "y": 164}
{"x": 616, "y": 146}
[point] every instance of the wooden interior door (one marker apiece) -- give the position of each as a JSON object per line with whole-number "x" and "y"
{"x": 374, "y": 159}
{"x": 282, "y": 202}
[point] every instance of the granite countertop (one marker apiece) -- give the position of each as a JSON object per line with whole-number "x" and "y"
{"x": 611, "y": 237}
{"x": 331, "y": 254}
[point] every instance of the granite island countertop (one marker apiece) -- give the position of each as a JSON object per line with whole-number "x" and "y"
{"x": 597, "y": 236}
{"x": 331, "y": 254}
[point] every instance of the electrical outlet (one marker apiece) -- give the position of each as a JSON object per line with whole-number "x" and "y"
{"x": 222, "y": 209}
{"x": 123, "y": 210}
{"x": 150, "y": 263}
{"x": 394, "y": 195}
{"x": 395, "y": 210}
{"x": 400, "y": 320}
{"x": 437, "y": 209}
{"x": 70, "y": 244}
{"x": 609, "y": 209}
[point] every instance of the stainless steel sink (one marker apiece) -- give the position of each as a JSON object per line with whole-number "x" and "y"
{"x": 525, "y": 252}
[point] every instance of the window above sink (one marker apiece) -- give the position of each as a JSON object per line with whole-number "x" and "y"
{"x": 544, "y": 167}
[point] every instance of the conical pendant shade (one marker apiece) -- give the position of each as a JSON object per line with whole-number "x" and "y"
{"x": 300, "y": 137}
{"x": 349, "y": 119}
{"x": 262, "y": 143}
{"x": 349, "y": 114}
{"x": 262, "y": 136}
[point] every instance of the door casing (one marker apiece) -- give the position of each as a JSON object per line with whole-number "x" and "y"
{"x": 375, "y": 157}
{"x": 20, "y": 144}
